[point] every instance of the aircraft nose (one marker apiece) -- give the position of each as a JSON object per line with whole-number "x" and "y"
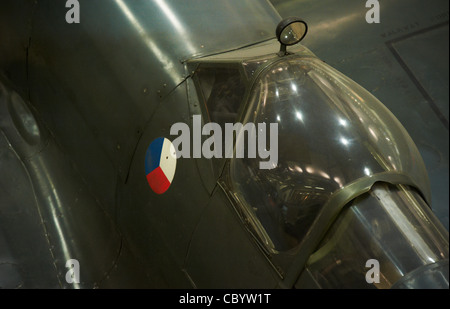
{"x": 431, "y": 276}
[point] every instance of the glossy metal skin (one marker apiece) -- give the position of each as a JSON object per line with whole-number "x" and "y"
{"x": 79, "y": 105}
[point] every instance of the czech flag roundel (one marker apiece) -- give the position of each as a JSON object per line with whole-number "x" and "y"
{"x": 160, "y": 164}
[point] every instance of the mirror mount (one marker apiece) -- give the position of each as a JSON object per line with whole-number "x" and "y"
{"x": 282, "y": 51}
{"x": 290, "y": 31}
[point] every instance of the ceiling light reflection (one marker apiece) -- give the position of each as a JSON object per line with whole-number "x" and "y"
{"x": 344, "y": 141}
{"x": 167, "y": 64}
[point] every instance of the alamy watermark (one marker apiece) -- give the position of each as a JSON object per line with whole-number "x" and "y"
{"x": 213, "y": 146}
{"x": 73, "y": 274}
{"x": 373, "y": 14}
{"x": 373, "y": 274}
{"x": 73, "y": 14}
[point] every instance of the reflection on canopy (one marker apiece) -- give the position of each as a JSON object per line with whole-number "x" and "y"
{"x": 332, "y": 132}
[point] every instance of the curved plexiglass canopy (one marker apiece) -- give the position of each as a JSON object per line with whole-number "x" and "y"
{"x": 331, "y": 133}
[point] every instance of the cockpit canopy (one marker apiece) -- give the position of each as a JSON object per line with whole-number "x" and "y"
{"x": 331, "y": 132}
